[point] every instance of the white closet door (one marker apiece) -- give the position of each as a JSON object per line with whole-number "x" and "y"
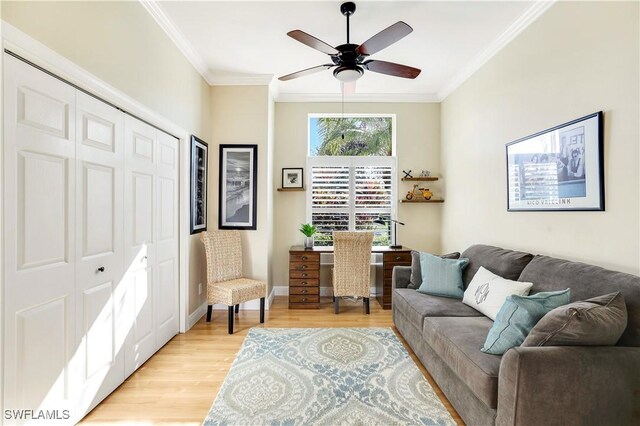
{"x": 140, "y": 223}
{"x": 39, "y": 223}
{"x": 167, "y": 289}
{"x": 99, "y": 360}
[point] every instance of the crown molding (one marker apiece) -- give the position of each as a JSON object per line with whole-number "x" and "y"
{"x": 177, "y": 37}
{"x": 240, "y": 79}
{"x": 512, "y": 31}
{"x": 358, "y": 97}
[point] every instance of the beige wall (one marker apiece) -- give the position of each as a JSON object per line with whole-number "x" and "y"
{"x": 240, "y": 115}
{"x": 417, "y": 148}
{"x": 121, "y": 44}
{"x": 578, "y": 58}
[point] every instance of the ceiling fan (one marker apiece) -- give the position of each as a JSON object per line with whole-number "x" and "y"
{"x": 350, "y": 59}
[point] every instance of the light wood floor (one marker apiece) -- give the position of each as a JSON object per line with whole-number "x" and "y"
{"x": 179, "y": 383}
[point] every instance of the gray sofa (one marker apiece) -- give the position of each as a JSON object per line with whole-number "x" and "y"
{"x": 575, "y": 385}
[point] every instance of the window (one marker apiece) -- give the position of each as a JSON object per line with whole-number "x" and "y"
{"x": 352, "y": 180}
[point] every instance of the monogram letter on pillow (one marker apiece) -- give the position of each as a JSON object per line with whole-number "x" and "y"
{"x": 487, "y": 292}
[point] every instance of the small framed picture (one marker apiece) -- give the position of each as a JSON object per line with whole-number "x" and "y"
{"x": 293, "y": 178}
{"x": 238, "y": 187}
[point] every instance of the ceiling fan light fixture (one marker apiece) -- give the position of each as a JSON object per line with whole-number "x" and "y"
{"x": 348, "y": 74}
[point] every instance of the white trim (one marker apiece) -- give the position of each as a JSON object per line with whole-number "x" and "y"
{"x": 359, "y": 97}
{"x": 1, "y": 225}
{"x": 41, "y": 55}
{"x": 512, "y": 31}
{"x": 196, "y": 315}
{"x": 177, "y": 37}
{"x": 240, "y": 79}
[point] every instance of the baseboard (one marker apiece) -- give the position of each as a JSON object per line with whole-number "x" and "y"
{"x": 195, "y": 316}
{"x": 283, "y": 290}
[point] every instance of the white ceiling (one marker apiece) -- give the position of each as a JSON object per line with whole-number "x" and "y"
{"x": 237, "y": 42}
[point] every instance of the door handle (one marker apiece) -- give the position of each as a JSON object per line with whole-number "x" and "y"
{"x": 143, "y": 259}
{"x": 100, "y": 269}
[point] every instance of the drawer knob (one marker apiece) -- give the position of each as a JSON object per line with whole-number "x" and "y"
{"x": 303, "y": 267}
{"x": 303, "y": 283}
{"x": 304, "y": 257}
{"x": 304, "y": 275}
{"x": 304, "y": 299}
{"x": 304, "y": 291}
{"x": 398, "y": 257}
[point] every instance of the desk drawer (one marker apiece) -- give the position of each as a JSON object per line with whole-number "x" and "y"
{"x": 304, "y": 299}
{"x": 398, "y": 258}
{"x": 304, "y": 266}
{"x": 294, "y": 282}
{"x": 304, "y": 257}
{"x": 304, "y": 290}
{"x": 304, "y": 274}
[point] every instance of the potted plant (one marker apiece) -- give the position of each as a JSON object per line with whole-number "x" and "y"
{"x": 308, "y": 230}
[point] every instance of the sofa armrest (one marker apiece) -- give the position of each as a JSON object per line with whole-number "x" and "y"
{"x": 569, "y": 385}
{"x": 400, "y": 276}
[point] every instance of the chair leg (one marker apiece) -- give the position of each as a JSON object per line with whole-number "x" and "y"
{"x": 366, "y": 305}
{"x": 237, "y": 308}
{"x": 336, "y": 305}
{"x": 209, "y": 311}
{"x": 262, "y": 310}
{"x": 230, "y": 319}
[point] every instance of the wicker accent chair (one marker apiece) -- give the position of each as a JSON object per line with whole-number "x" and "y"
{"x": 225, "y": 283}
{"x": 351, "y": 266}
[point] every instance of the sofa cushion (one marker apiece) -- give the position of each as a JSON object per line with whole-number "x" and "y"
{"x": 416, "y": 273}
{"x": 458, "y": 341}
{"x": 415, "y": 306}
{"x": 505, "y": 263}
{"x": 599, "y": 321}
{"x": 587, "y": 281}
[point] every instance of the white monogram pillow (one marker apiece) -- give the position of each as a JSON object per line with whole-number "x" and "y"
{"x": 487, "y": 292}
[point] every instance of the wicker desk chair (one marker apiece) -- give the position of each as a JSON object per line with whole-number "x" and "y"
{"x": 225, "y": 283}
{"x": 351, "y": 266}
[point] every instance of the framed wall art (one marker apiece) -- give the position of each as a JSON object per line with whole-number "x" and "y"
{"x": 199, "y": 158}
{"x": 293, "y": 178}
{"x": 558, "y": 169}
{"x": 238, "y": 186}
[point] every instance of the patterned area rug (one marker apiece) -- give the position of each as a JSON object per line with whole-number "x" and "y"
{"x": 325, "y": 376}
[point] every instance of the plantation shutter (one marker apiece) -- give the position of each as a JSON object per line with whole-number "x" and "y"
{"x": 349, "y": 193}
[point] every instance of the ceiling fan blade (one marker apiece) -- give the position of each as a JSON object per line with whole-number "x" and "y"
{"x": 348, "y": 88}
{"x": 391, "y": 68}
{"x": 305, "y": 72}
{"x": 311, "y": 41}
{"x": 384, "y": 38}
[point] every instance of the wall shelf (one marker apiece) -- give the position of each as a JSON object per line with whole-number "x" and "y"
{"x": 421, "y": 179}
{"x": 290, "y": 189}
{"x": 433, "y": 200}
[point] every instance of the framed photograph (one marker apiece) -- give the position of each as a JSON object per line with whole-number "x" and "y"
{"x": 292, "y": 178}
{"x": 238, "y": 186}
{"x": 199, "y": 158}
{"x": 558, "y": 169}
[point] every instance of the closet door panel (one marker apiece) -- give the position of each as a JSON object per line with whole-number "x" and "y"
{"x": 99, "y": 362}
{"x": 39, "y": 236}
{"x": 167, "y": 295}
{"x": 140, "y": 241}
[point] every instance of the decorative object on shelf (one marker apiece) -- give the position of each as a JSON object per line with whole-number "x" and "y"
{"x": 292, "y": 178}
{"x": 425, "y": 173}
{"x": 380, "y": 220}
{"x": 199, "y": 158}
{"x": 407, "y": 175}
{"x": 558, "y": 169}
{"x": 238, "y": 187}
{"x": 419, "y": 194}
{"x": 308, "y": 230}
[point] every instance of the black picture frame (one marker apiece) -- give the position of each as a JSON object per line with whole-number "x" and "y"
{"x": 292, "y": 178}
{"x": 238, "y": 187}
{"x": 199, "y": 184}
{"x": 558, "y": 169}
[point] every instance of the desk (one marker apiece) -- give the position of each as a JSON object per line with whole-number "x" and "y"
{"x": 304, "y": 274}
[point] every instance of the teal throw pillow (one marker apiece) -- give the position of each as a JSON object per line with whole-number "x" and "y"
{"x": 517, "y": 316}
{"x": 442, "y": 277}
